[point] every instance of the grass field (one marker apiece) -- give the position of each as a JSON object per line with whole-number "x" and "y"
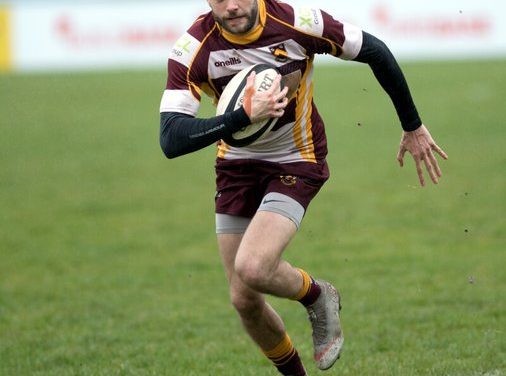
{"x": 108, "y": 260}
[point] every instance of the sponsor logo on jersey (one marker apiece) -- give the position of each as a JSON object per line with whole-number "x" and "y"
{"x": 309, "y": 17}
{"x": 309, "y": 20}
{"x": 182, "y": 46}
{"x": 184, "y": 49}
{"x": 279, "y": 52}
{"x": 229, "y": 62}
{"x": 222, "y": 63}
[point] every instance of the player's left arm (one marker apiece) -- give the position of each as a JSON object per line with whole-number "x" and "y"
{"x": 415, "y": 138}
{"x": 349, "y": 42}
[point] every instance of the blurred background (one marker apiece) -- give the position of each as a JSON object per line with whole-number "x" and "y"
{"x": 57, "y": 35}
{"x": 108, "y": 257}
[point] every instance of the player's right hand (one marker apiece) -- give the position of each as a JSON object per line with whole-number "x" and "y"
{"x": 260, "y": 105}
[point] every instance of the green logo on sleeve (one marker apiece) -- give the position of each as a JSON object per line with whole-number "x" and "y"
{"x": 183, "y": 44}
{"x": 305, "y": 18}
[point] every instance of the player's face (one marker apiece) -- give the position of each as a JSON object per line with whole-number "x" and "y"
{"x": 235, "y": 16}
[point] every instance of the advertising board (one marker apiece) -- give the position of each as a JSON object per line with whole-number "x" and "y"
{"x": 49, "y": 35}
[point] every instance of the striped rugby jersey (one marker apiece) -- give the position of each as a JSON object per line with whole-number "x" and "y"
{"x": 206, "y": 57}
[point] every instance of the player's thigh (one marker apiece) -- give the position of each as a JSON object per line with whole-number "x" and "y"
{"x": 228, "y": 245}
{"x": 264, "y": 241}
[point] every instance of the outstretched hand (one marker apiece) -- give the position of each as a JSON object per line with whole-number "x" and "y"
{"x": 421, "y": 146}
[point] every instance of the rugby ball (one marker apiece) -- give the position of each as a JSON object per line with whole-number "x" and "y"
{"x": 233, "y": 96}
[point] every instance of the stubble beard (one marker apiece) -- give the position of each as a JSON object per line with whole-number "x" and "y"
{"x": 251, "y": 18}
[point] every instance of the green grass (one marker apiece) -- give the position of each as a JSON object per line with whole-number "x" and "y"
{"x": 108, "y": 259}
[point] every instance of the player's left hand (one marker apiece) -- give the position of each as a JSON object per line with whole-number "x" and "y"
{"x": 421, "y": 146}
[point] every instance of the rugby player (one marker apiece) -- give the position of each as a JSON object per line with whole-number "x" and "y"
{"x": 264, "y": 189}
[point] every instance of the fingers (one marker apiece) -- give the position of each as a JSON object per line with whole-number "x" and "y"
{"x": 440, "y": 151}
{"x": 422, "y": 147}
{"x": 434, "y": 164}
{"x": 250, "y": 81}
{"x": 432, "y": 173}
{"x": 281, "y": 94}
{"x": 275, "y": 87}
{"x": 280, "y": 101}
{"x": 260, "y": 104}
{"x": 248, "y": 93}
{"x": 275, "y": 84}
{"x": 431, "y": 166}
{"x": 279, "y": 107}
{"x": 400, "y": 155}
{"x": 419, "y": 171}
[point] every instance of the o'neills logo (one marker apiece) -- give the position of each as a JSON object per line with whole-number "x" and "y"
{"x": 226, "y": 63}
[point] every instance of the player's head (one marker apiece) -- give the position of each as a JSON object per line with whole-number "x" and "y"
{"x": 235, "y": 16}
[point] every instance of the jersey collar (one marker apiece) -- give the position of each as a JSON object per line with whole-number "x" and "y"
{"x": 253, "y": 34}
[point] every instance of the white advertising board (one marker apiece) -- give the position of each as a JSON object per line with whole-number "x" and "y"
{"x": 68, "y": 36}
{"x": 430, "y": 29}
{"x": 50, "y": 35}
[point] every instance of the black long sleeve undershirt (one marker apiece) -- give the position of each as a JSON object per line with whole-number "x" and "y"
{"x": 182, "y": 134}
{"x": 376, "y": 54}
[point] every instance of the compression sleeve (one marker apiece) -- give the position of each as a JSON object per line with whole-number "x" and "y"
{"x": 376, "y": 54}
{"x": 182, "y": 134}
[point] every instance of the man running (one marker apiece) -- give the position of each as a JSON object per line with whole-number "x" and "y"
{"x": 264, "y": 189}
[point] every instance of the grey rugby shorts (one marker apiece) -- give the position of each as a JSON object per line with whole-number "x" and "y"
{"x": 245, "y": 186}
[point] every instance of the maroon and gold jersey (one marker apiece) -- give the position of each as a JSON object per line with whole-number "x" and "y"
{"x": 206, "y": 58}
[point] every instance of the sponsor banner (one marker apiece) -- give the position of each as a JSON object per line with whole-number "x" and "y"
{"x": 5, "y": 39}
{"x": 429, "y": 29}
{"x": 51, "y": 35}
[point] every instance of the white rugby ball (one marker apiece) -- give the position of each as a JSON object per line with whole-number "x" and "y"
{"x": 233, "y": 96}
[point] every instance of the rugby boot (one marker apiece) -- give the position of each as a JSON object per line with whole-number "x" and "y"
{"x": 327, "y": 334}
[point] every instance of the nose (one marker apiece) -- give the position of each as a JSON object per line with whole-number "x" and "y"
{"x": 232, "y": 6}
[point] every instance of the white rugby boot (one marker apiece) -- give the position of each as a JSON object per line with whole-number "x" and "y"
{"x": 327, "y": 334}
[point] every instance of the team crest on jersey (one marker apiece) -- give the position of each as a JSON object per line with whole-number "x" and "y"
{"x": 279, "y": 52}
{"x": 288, "y": 180}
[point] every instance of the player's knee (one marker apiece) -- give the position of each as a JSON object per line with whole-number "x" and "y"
{"x": 246, "y": 305}
{"x": 253, "y": 273}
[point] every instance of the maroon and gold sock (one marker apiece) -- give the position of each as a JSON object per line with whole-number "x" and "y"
{"x": 310, "y": 290}
{"x": 286, "y": 359}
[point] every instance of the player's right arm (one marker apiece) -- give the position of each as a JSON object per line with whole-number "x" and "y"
{"x": 180, "y": 131}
